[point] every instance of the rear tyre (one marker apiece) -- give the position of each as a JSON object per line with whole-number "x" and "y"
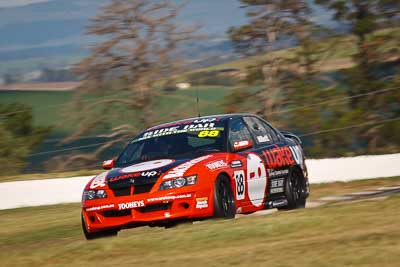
{"x": 224, "y": 202}
{"x": 295, "y": 191}
{"x": 95, "y": 235}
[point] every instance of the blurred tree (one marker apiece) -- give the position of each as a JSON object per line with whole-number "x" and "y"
{"x": 141, "y": 41}
{"x": 215, "y": 77}
{"x": 272, "y": 21}
{"x": 372, "y": 22}
{"x": 18, "y": 137}
{"x": 365, "y": 17}
{"x": 290, "y": 79}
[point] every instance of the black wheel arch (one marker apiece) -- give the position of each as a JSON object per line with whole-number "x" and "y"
{"x": 224, "y": 173}
{"x": 297, "y": 168}
{"x": 231, "y": 180}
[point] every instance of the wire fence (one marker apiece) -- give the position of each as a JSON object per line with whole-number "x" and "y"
{"x": 333, "y": 101}
{"x": 302, "y": 135}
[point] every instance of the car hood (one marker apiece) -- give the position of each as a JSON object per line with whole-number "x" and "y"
{"x": 150, "y": 171}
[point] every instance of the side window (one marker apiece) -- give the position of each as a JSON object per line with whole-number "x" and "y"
{"x": 238, "y": 132}
{"x": 262, "y": 132}
{"x": 271, "y": 131}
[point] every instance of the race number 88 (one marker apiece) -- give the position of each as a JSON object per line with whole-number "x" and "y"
{"x": 240, "y": 184}
{"x": 208, "y": 134}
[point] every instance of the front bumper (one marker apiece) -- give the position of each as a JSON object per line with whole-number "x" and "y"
{"x": 146, "y": 209}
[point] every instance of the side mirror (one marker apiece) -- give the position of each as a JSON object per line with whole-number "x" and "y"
{"x": 241, "y": 145}
{"x": 108, "y": 164}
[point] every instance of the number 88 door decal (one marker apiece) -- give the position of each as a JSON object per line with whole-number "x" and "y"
{"x": 240, "y": 184}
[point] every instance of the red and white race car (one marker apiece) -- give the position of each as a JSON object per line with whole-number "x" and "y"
{"x": 214, "y": 166}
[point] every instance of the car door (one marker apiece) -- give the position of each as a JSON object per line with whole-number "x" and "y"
{"x": 251, "y": 178}
{"x": 276, "y": 155}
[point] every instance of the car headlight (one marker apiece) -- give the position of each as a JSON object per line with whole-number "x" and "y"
{"x": 179, "y": 182}
{"x": 94, "y": 194}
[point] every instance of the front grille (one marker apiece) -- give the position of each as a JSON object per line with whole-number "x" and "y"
{"x": 155, "y": 207}
{"x": 140, "y": 189}
{"x": 126, "y": 191}
{"x": 137, "y": 189}
{"x": 116, "y": 213}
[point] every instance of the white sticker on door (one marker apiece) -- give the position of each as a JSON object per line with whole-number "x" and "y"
{"x": 256, "y": 179}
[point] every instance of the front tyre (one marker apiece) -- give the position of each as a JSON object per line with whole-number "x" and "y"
{"x": 95, "y": 235}
{"x": 224, "y": 202}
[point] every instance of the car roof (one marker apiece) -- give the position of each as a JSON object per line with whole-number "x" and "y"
{"x": 221, "y": 117}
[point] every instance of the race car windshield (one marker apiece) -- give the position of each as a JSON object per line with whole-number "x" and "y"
{"x": 176, "y": 142}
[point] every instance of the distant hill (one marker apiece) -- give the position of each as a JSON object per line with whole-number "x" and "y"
{"x": 50, "y": 34}
{"x": 55, "y": 28}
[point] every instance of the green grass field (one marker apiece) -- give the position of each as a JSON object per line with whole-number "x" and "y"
{"x": 46, "y": 105}
{"x": 363, "y": 233}
{"x": 49, "y": 108}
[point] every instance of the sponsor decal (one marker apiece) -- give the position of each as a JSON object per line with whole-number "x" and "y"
{"x": 147, "y": 166}
{"x": 240, "y": 184}
{"x": 215, "y": 165}
{"x": 263, "y": 139}
{"x": 256, "y": 179}
{"x": 236, "y": 164}
{"x": 242, "y": 144}
{"x": 123, "y": 177}
{"x": 279, "y": 203}
{"x": 199, "y": 126}
{"x": 202, "y": 203}
{"x": 134, "y": 175}
{"x": 277, "y": 173}
{"x": 278, "y": 157}
{"x": 103, "y": 207}
{"x": 170, "y": 125}
{"x": 277, "y": 185}
{"x": 180, "y": 123}
{"x": 168, "y": 198}
{"x": 160, "y": 132}
{"x": 276, "y": 190}
{"x": 182, "y": 128}
{"x": 205, "y": 120}
{"x": 150, "y": 174}
{"x": 131, "y": 205}
{"x": 99, "y": 181}
{"x": 180, "y": 170}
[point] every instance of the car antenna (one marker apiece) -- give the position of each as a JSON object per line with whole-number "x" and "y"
{"x": 197, "y": 100}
